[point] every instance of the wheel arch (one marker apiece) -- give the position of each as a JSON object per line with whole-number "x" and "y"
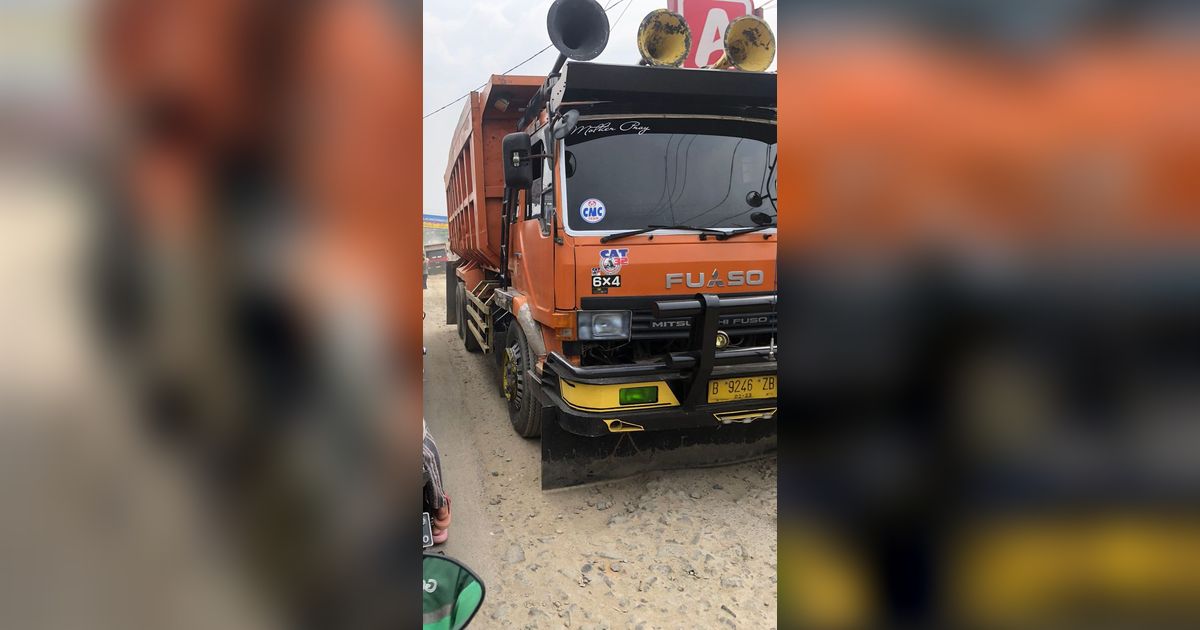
{"x": 523, "y": 315}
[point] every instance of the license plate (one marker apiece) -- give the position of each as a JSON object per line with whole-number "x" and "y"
{"x": 745, "y": 388}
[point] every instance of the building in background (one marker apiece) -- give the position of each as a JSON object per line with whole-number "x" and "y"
{"x": 436, "y": 228}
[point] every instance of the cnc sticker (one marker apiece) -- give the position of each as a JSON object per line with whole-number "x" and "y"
{"x": 600, "y": 284}
{"x": 611, "y": 260}
{"x": 592, "y": 210}
{"x": 595, "y": 271}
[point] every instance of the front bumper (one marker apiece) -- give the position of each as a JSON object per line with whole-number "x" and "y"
{"x": 687, "y": 373}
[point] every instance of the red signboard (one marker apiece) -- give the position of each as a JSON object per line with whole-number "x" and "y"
{"x": 707, "y": 20}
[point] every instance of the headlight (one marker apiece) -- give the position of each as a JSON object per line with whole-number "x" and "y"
{"x": 595, "y": 326}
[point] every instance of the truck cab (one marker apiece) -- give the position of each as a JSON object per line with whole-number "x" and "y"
{"x": 628, "y": 286}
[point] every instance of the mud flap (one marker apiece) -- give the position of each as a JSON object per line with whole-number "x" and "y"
{"x": 572, "y": 460}
{"x": 451, "y": 292}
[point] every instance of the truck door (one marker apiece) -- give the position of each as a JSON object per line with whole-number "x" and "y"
{"x": 533, "y": 245}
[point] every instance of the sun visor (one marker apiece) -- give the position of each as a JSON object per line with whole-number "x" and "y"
{"x": 584, "y": 82}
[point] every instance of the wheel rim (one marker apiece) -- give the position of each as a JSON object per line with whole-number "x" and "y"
{"x": 511, "y": 376}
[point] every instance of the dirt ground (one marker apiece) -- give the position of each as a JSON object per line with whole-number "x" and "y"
{"x": 675, "y": 549}
{"x": 113, "y": 528}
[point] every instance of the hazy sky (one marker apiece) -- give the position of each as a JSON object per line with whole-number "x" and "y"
{"x": 466, "y": 41}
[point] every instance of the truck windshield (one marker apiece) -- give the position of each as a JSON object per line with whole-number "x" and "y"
{"x": 628, "y": 173}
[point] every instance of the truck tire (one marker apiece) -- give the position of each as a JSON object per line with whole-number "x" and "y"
{"x": 516, "y": 384}
{"x": 500, "y": 334}
{"x": 464, "y": 329}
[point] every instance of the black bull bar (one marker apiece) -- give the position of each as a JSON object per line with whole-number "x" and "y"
{"x": 581, "y": 447}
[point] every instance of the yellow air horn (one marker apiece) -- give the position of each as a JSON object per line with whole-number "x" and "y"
{"x": 749, "y": 45}
{"x": 664, "y": 38}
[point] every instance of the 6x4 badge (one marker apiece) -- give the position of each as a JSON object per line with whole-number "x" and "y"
{"x": 600, "y": 284}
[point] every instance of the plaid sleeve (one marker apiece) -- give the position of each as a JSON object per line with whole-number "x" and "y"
{"x": 434, "y": 495}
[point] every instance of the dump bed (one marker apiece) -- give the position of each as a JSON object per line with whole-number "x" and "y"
{"x": 475, "y": 176}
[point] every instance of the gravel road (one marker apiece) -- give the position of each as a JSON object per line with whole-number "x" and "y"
{"x": 676, "y": 549}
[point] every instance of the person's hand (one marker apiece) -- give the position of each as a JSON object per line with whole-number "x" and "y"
{"x": 440, "y": 523}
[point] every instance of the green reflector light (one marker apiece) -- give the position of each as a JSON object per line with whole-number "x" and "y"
{"x": 639, "y": 395}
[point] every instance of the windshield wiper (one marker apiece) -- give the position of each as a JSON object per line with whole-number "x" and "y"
{"x": 757, "y": 228}
{"x": 651, "y": 228}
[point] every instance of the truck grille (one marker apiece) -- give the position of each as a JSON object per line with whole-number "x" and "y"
{"x": 653, "y": 338}
{"x": 645, "y": 326}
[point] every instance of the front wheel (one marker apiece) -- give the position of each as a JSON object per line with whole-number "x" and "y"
{"x": 517, "y": 385}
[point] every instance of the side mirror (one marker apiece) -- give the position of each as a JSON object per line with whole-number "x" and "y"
{"x": 566, "y": 125}
{"x": 452, "y": 592}
{"x": 518, "y": 168}
{"x": 570, "y": 166}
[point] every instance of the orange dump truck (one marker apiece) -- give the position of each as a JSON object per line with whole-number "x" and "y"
{"x": 617, "y": 248}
